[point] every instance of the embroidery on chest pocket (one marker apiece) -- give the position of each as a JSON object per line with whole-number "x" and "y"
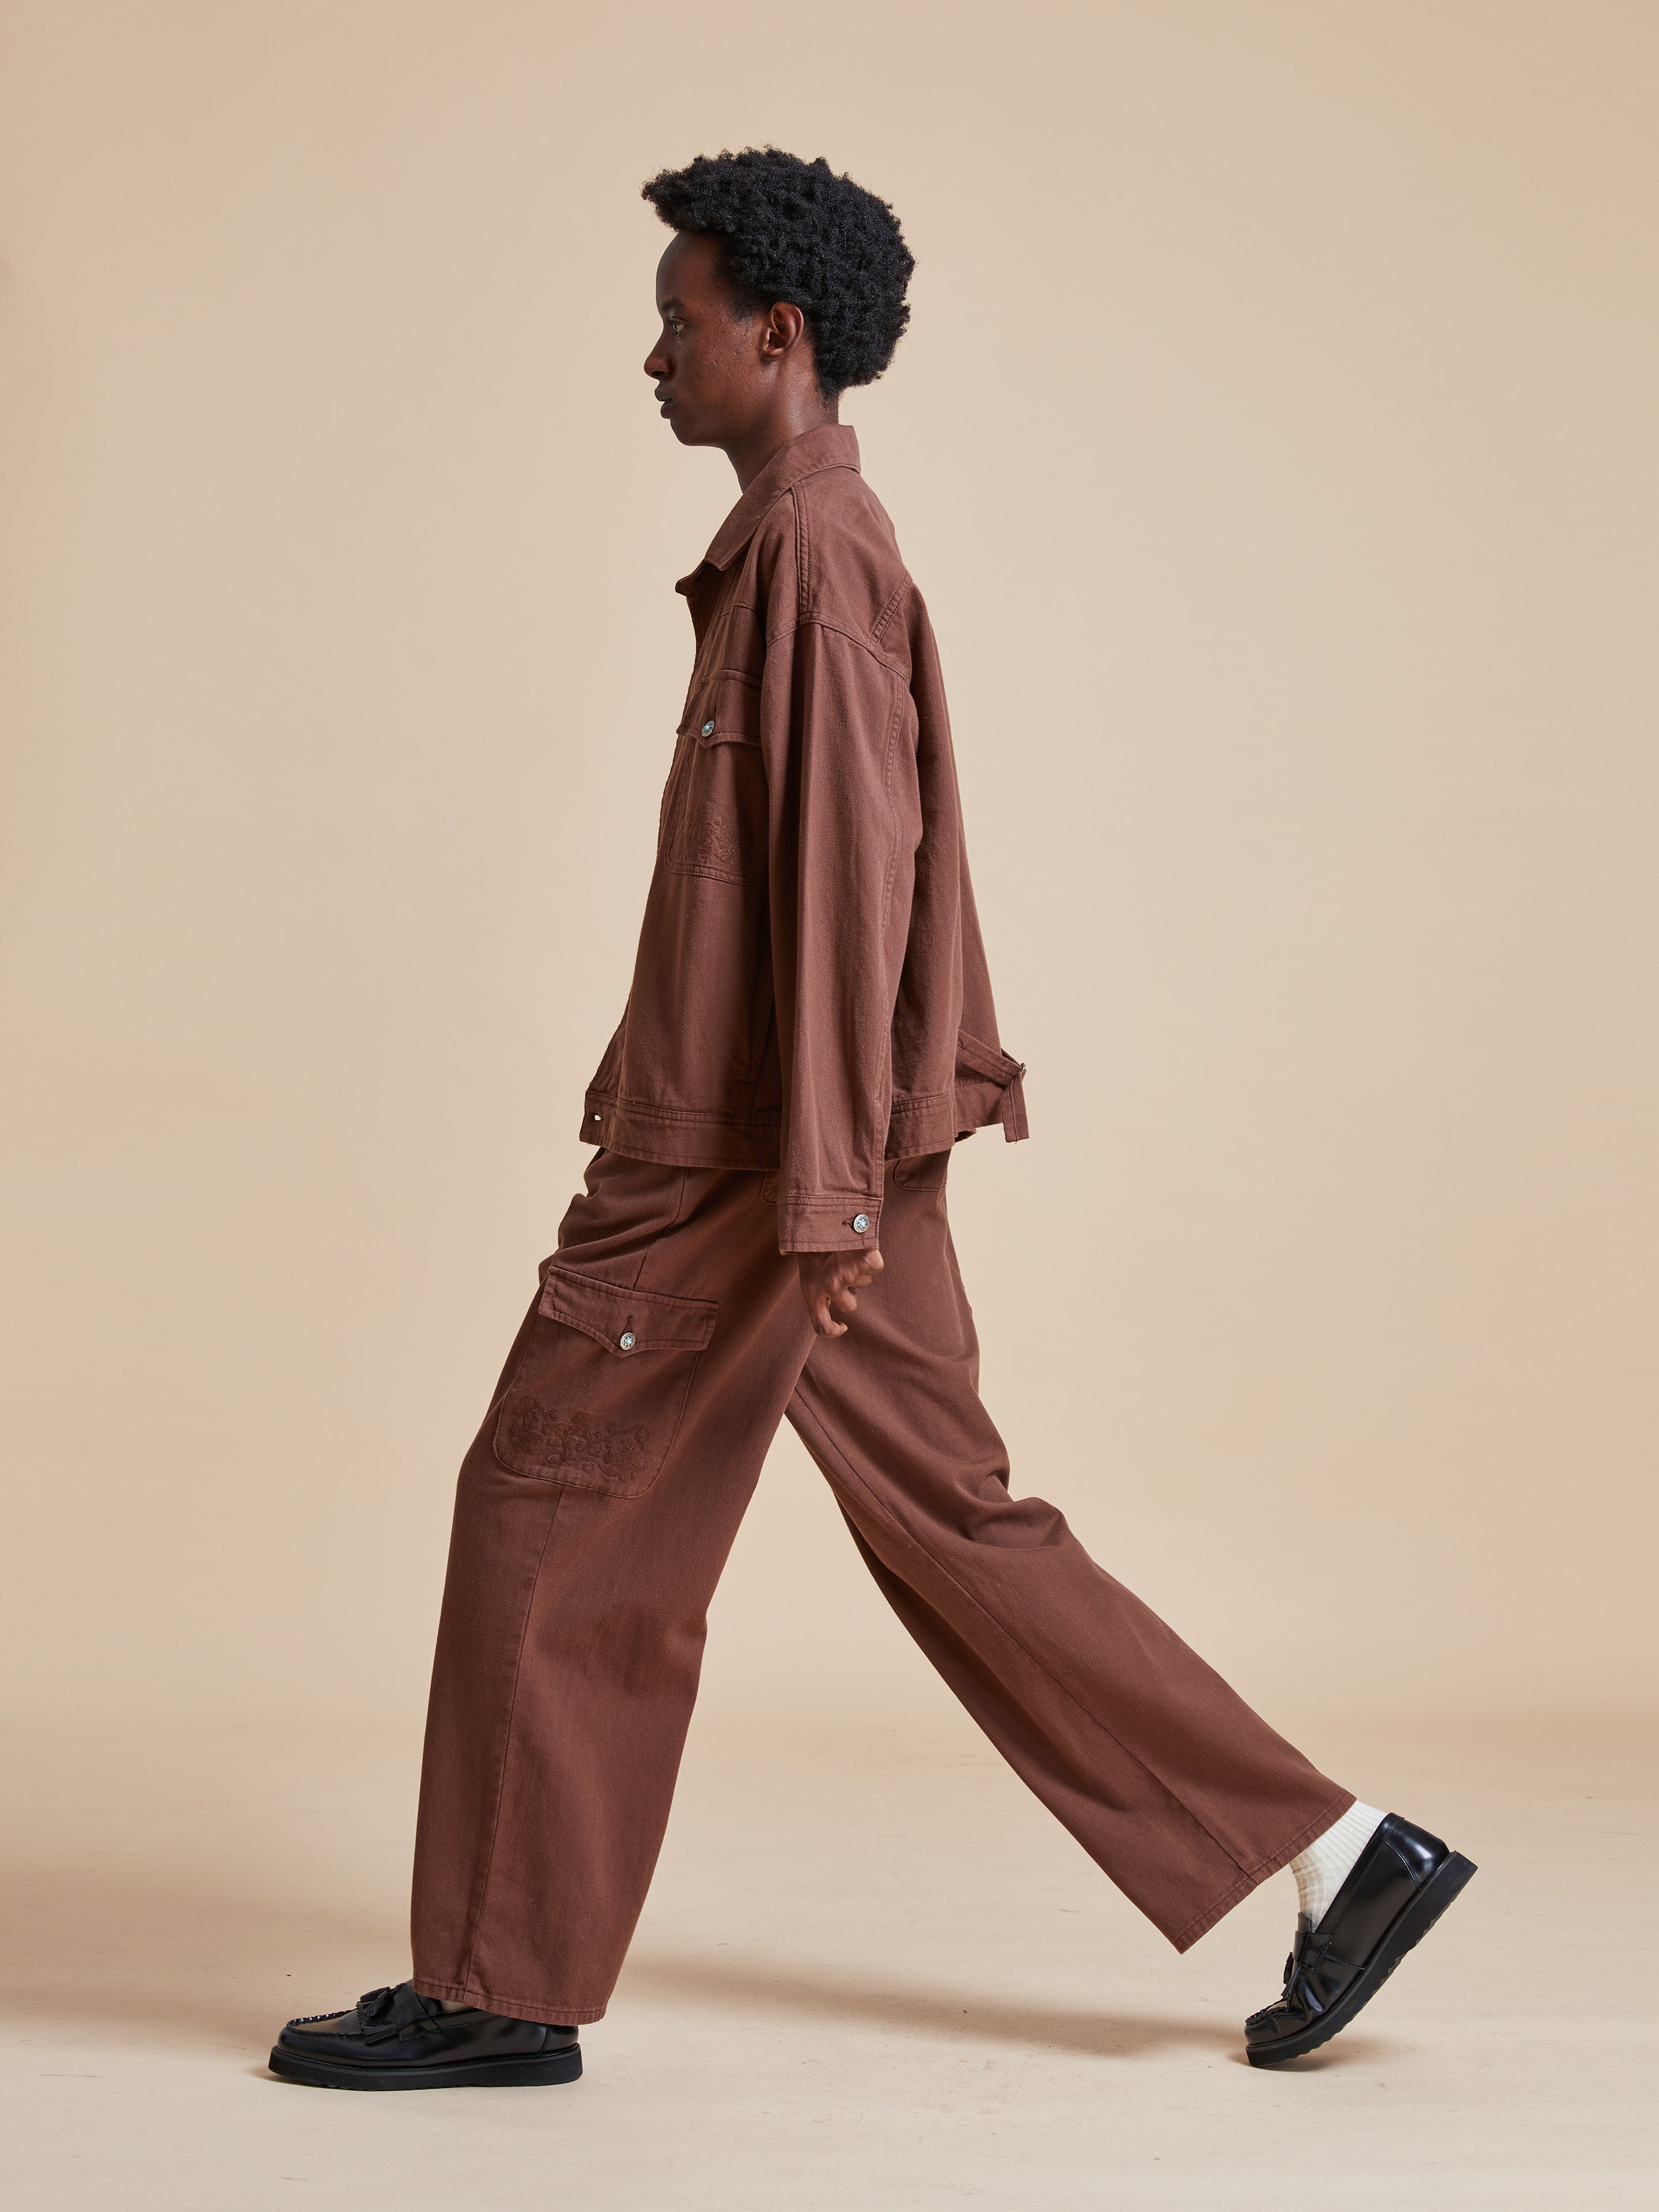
{"x": 717, "y": 827}
{"x": 706, "y": 843}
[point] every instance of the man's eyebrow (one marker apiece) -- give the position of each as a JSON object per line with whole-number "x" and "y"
{"x": 671, "y": 301}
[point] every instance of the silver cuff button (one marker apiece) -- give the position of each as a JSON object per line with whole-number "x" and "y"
{"x": 861, "y": 1222}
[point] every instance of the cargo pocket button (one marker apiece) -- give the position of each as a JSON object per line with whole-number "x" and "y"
{"x": 708, "y": 729}
{"x": 626, "y": 1339}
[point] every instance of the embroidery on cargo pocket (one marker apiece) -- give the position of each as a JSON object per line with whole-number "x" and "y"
{"x": 549, "y": 1441}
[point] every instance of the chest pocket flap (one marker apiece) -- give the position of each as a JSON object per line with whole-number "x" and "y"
{"x": 726, "y": 711}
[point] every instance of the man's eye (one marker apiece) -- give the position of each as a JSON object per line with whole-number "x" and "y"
{"x": 675, "y": 324}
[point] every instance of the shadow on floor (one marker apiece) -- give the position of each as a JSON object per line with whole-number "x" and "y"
{"x": 958, "y": 2015}
{"x": 125, "y": 1945}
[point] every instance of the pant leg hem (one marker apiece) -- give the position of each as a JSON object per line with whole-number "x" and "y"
{"x": 544, "y": 2010}
{"x": 1184, "y": 1938}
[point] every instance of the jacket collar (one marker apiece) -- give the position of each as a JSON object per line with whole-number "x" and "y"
{"x": 831, "y": 446}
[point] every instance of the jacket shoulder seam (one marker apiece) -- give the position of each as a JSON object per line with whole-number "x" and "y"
{"x": 894, "y": 598}
{"x": 864, "y": 642}
{"x": 803, "y": 555}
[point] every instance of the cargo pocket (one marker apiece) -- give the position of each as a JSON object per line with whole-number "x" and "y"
{"x": 597, "y": 1397}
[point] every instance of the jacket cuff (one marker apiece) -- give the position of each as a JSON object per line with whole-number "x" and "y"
{"x": 828, "y": 1224}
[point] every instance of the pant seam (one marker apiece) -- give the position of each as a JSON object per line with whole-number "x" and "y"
{"x": 506, "y": 1743}
{"x": 881, "y": 1508}
{"x": 650, "y": 1251}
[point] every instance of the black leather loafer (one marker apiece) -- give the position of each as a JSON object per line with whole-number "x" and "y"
{"x": 398, "y": 2040}
{"x": 1396, "y": 1889}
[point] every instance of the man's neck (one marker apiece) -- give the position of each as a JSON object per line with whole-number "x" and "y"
{"x": 803, "y": 412}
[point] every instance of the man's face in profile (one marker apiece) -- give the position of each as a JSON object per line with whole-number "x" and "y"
{"x": 706, "y": 363}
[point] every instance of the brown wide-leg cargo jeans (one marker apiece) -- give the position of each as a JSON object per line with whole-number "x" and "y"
{"x": 594, "y": 1514}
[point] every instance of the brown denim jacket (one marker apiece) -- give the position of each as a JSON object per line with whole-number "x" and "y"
{"x": 810, "y": 993}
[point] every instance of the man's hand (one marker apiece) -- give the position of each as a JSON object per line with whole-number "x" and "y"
{"x": 828, "y": 1280}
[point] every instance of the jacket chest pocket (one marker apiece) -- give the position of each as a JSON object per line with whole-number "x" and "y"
{"x": 717, "y": 826}
{"x": 598, "y": 1395}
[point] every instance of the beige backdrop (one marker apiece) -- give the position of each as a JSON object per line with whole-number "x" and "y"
{"x": 1275, "y": 445}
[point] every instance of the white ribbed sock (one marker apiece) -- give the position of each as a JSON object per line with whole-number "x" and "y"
{"x": 1322, "y": 1869}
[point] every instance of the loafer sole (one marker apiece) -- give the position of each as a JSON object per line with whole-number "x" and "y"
{"x": 1442, "y": 1889}
{"x": 530, "y": 2068}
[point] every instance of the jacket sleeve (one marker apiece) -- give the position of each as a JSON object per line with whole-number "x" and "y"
{"x": 839, "y": 880}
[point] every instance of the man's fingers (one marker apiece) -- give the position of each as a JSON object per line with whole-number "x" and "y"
{"x": 834, "y": 1277}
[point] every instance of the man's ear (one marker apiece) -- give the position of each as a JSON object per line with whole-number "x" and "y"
{"x": 783, "y": 330}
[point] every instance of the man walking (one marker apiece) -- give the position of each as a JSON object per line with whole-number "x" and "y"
{"x": 762, "y": 1235}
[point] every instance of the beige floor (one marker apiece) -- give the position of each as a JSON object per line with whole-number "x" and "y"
{"x": 872, "y": 1974}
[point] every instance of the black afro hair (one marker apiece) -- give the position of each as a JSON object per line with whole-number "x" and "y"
{"x": 794, "y": 230}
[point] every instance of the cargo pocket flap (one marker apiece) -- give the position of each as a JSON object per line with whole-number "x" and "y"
{"x": 625, "y": 1322}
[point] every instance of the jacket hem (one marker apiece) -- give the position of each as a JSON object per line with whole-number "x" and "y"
{"x": 670, "y": 1138}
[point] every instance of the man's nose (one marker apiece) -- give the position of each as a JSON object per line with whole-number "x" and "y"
{"x": 656, "y": 364}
